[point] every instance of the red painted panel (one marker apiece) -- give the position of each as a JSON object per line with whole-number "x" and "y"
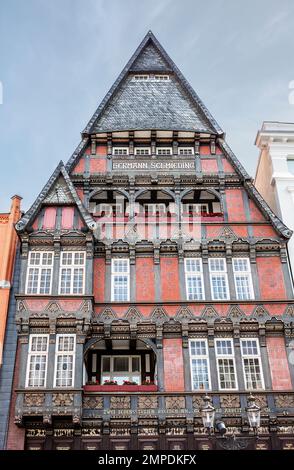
{"x": 227, "y": 166}
{"x": 263, "y": 231}
{"x": 278, "y": 362}
{"x": 209, "y": 166}
{"x": 99, "y": 279}
{"x": 97, "y": 165}
{"x": 67, "y": 217}
{"x": 80, "y": 166}
{"x": 256, "y": 215}
{"x": 145, "y": 283}
{"x": 101, "y": 150}
{"x": 235, "y": 205}
{"x": 49, "y": 217}
{"x": 204, "y": 150}
{"x": 271, "y": 279}
{"x": 173, "y": 365}
{"x": 169, "y": 270}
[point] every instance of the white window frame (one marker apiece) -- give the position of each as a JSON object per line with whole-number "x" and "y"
{"x": 200, "y": 356}
{"x": 247, "y": 274}
{"x": 146, "y": 151}
{"x": 124, "y": 151}
{"x": 189, "y": 151}
{"x": 252, "y": 356}
{"x": 40, "y": 267}
{"x": 219, "y": 273}
{"x": 225, "y": 356}
{"x": 115, "y": 273}
{"x": 141, "y": 77}
{"x": 64, "y": 353}
{"x": 111, "y": 374}
{"x": 196, "y": 207}
{"x": 165, "y": 149}
{"x": 36, "y": 353}
{"x": 196, "y": 274}
{"x": 72, "y": 267}
{"x": 162, "y": 77}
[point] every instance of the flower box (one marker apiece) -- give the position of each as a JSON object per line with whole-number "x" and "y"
{"x": 120, "y": 388}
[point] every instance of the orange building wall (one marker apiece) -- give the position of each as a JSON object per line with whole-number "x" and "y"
{"x": 235, "y": 205}
{"x": 277, "y": 355}
{"x": 173, "y": 365}
{"x": 8, "y": 243}
{"x": 271, "y": 279}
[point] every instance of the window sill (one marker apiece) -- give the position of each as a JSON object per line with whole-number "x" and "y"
{"x": 120, "y": 388}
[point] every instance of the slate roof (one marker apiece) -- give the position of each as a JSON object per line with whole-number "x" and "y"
{"x": 154, "y": 104}
{"x": 30, "y": 215}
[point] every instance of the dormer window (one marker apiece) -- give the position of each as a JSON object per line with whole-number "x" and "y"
{"x": 164, "y": 151}
{"x": 141, "y": 78}
{"x": 161, "y": 77}
{"x": 120, "y": 151}
{"x": 186, "y": 151}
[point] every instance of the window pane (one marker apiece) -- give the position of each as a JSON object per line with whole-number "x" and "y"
{"x": 242, "y": 284}
{"x": 198, "y": 348}
{"x": 32, "y": 284}
{"x": 194, "y": 288}
{"x": 35, "y": 258}
{"x": 47, "y": 259}
{"x": 227, "y": 379}
{"x": 65, "y": 281}
{"x": 106, "y": 364}
{"x": 193, "y": 265}
{"x": 200, "y": 374}
{"x": 219, "y": 287}
{"x": 45, "y": 281}
{"x": 120, "y": 288}
{"x": 249, "y": 347}
{"x": 217, "y": 264}
{"x": 78, "y": 281}
{"x": 120, "y": 265}
{"x": 66, "y": 343}
{"x": 224, "y": 347}
{"x": 120, "y": 364}
{"x": 64, "y": 370}
{"x": 252, "y": 373}
{"x": 37, "y": 369}
{"x": 241, "y": 264}
{"x": 135, "y": 364}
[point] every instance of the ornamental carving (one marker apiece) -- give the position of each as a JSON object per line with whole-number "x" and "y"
{"x": 235, "y": 314}
{"x": 230, "y": 401}
{"x": 289, "y": 313}
{"x": 147, "y": 402}
{"x": 107, "y": 316}
{"x": 53, "y": 307}
{"x": 120, "y": 403}
{"x": 227, "y": 235}
{"x": 260, "y": 314}
{"x": 34, "y": 399}
{"x": 197, "y": 402}
{"x": 59, "y": 194}
{"x": 159, "y": 315}
{"x": 184, "y": 315}
{"x": 133, "y": 315}
{"x": 62, "y": 399}
{"x": 93, "y": 403}
{"x": 261, "y": 401}
{"x": 175, "y": 403}
{"x": 21, "y": 306}
{"x": 284, "y": 401}
{"x": 209, "y": 314}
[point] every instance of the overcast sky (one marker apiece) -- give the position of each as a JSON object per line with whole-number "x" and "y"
{"x": 58, "y": 58}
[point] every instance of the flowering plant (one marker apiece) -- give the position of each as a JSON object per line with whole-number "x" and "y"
{"x": 129, "y": 382}
{"x": 110, "y": 382}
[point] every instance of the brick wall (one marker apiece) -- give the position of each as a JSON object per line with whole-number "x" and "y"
{"x": 173, "y": 365}
{"x": 169, "y": 271}
{"x": 99, "y": 279}
{"x": 271, "y": 279}
{"x": 278, "y": 361}
{"x": 145, "y": 283}
{"x": 235, "y": 205}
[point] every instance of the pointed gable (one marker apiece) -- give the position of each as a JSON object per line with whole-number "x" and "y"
{"x": 151, "y": 104}
{"x": 59, "y": 190}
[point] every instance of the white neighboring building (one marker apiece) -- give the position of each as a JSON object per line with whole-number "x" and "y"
{"x": 274, "y": 177}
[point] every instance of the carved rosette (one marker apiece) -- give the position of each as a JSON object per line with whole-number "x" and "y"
{"x": 34, "y": 399}
{"x": 230, "y": 401}
{"x": 284, "y": 401}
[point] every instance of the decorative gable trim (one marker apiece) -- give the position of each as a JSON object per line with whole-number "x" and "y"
{"x": 48, "y": 191}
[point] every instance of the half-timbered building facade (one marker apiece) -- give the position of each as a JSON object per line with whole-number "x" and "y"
{"x": 152, "y": 273}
